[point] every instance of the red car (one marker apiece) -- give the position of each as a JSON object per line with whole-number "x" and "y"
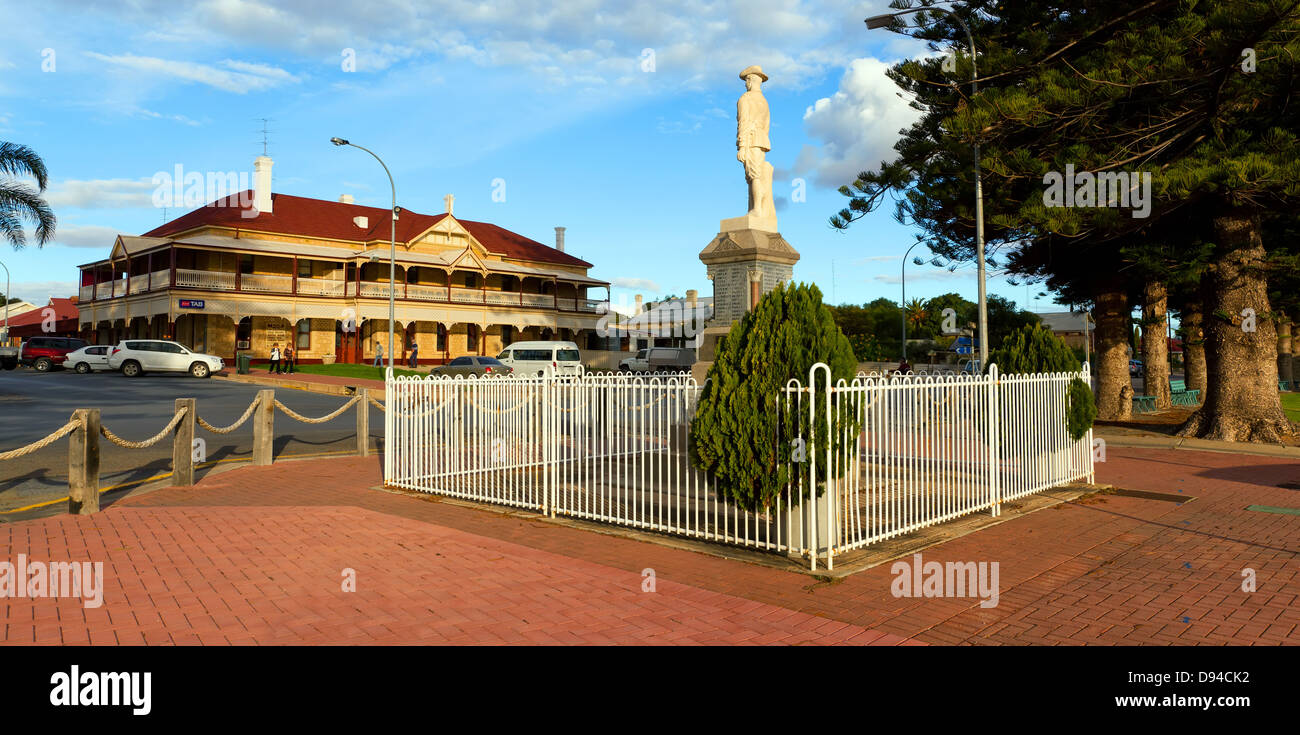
{"x": 44, "y": 353}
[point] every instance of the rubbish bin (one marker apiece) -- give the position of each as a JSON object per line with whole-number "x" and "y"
{"x": 242, "y": 363}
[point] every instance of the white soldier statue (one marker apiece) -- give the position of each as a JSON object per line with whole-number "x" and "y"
{"x": 752, "y": 121}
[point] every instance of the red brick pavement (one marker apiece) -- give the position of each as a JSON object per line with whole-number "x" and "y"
{"x": 254, "y": 555}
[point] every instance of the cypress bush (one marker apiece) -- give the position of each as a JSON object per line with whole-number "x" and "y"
{"x": 1035, "y": 349}
{"x": 741, "y": 434}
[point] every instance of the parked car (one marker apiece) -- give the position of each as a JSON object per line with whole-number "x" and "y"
{"x": 135, "y": 357}
{"x": 473, "y": 365}
{"x": 667, "y": 360}
{"x": 538, "y": 358}
{"x": 46, "y": 353}
{"x": 634, "y": 364}
{"x": 1134, "y": 368}
{"x": 88, "y": 359}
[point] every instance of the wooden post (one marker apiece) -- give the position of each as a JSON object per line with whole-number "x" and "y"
{"x": 363, "y": 422}
{"x": 264, "y": 428}
{"x": 183, "y": 444}
{"x": 83, "y": 464}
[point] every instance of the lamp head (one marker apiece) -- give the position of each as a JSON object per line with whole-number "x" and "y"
{"x": 338, "y": 141}
{"x": 879, "y": 21}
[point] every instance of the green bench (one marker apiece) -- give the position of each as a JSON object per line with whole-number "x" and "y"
{"x": 1284, "y": 385}
{"x": 1178, "y": 394}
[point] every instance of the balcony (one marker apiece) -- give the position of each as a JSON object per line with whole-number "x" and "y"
{"x": 466, "y": 295}
{"x": 426, "y": 293}
{"x": 257, "y": 283}
{"x": 321, "y": 287}
{"x": 211, "y": 280}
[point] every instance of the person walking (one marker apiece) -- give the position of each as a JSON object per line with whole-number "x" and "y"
{"x": 415, "y": 354}
{"x": 288, "y": 358}
{"x": 379, "y": 354}
{"x": 274, "y": 367}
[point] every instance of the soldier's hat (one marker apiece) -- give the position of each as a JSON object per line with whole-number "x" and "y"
{"x": 755, "y": 69}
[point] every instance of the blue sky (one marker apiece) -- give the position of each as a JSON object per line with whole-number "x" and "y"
{"x": 614, "y": 120}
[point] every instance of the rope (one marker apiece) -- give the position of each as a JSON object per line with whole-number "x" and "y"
{"x": 227, "y": 429}
{"x": 329, "y": 417}
{"x": 376, "y": 403}
{"x": 43, "y": 443}
{"x": 147, "y": 442}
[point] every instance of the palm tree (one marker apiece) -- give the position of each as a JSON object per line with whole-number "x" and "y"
{"x": 916, "y": 312}
{"x": 19, "y": 203}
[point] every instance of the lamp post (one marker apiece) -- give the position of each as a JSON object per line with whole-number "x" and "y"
{"x": 7, "y": 297}
{"x": 903, "y": 279}
{"x": 392, "y": 253}
{"x": 881, "y": 21}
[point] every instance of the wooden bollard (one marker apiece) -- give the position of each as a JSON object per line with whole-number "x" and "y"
{"x": 363, "y": 423}
{"x": 264, "y": 428}
{"x": 183, "y": 444}
{"x": 83, "y": 464}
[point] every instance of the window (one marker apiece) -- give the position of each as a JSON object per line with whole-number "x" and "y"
{"x": 507, "y": 335}
{"x": 471, "y": 280}
{"x": 244, "y": 334}
{"x": 304, "y": 269}
{"x": 471, "y": 337}
{"x": 246, "y": 264}
{"x": 304, "y": 335}
{"x": 170, "y": 347}
{"x": 488, "y": 361}
{"x": 442, "y": 338}
{"x": 533, "y": 355}
{"x": 567, "y": 355}
{"x": 461, "y": 361}
{"x": 505, "y": 355}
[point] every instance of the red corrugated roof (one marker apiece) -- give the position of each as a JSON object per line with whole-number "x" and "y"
{"x": 63, "y": 309}
{"x": 305, "y": 217}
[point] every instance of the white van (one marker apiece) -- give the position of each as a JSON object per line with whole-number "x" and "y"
{"x": 539, "y": 358}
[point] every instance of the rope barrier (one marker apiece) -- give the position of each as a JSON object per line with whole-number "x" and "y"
{"x": 375, "y": 403}
{"x": 43, "y": 443}
{"x": 176, "y": 419}
{"x": 329, "y": 417}
{"x": 227, "y": 429}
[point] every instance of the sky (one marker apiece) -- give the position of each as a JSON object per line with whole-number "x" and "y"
{"x": 615, "y": 120}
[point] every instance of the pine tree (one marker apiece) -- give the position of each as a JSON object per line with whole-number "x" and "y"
{"x": 741, "y": 434}
{"x": 1035, "y": 349}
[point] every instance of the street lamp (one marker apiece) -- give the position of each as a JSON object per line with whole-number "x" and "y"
{"x": 882, "y": 21}
{"x": 7, "y": 297}
{"x": 392, "y": 253}
{"x": 903, "y": 279}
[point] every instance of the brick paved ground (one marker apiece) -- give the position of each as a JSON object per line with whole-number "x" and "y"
{"x": 254, "y": 555}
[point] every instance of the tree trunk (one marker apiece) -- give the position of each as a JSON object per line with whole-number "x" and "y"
{"x": 1285, "y": 366}
{"x": 1155, "y": 343}
{"x": 1241, "y": 400}
{"x": 1194, "y": 348}
{"x": 1113, "y": 330}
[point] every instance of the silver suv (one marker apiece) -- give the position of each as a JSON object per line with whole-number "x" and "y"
{"x": 135, "y": 357}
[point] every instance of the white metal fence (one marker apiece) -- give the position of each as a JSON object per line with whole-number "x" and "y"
{"x": 912, "y": 451}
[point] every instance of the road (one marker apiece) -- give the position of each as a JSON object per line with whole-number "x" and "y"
{"x": 34, "y": 404}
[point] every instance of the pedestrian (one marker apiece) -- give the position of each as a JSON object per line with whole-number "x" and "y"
{"x": 288, "y": 358}
{"x": 415, "y": 354}
{"x": 275, "y": 359}
{"x": 379, "y": 354}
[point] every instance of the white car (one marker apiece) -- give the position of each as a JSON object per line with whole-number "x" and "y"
{"x": 635, "y": 364}
{"x": 541, "y": 358}
{"x": 135, "y": 357}
{"x": 88, "y": 359}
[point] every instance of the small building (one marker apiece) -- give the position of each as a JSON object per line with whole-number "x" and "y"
{"x": 258, "y": 268}
{"x": 669, "y": 323}
{"x": 59, "y": 318}
{"x": 1071, "y": 326}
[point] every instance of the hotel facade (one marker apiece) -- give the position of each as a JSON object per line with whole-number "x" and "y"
{"x": 257, "y": 269}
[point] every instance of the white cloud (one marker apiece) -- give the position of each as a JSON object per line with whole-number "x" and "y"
{"x": 101, "y": 193}
{"x": 39, "y": 292}
{"x": 634, "y": 284}
{"x": 85, "y": 236}
{"x": 857, "y": 126}
{"x": 238, "y": 77}
{"x": 929, "y": 274}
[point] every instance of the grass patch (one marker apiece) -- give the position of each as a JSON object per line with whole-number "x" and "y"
{"x": 348, "y": 370}
{"x": 1291, "y": 404}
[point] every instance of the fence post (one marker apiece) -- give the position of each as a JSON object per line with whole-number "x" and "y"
{"x": 363, "y": 422}
{"x": 264, "y": 428}
{"x": 995, "y": 428}
{"x": 83, "y": 463}
{"x": 183, "y": 444}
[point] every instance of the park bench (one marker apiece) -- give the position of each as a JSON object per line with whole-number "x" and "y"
{"x": 1284, "y": 385}
{"x": 1179, "y": 395}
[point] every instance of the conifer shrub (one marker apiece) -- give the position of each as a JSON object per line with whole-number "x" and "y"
{"x": 1035, "y": 349}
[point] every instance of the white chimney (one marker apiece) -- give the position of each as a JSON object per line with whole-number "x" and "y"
{"x": 262, "y": 184}
{"x": 691, "y": 297}
{"x": 638, "y": 303}
{"x": 559, "y": 239}
{"x": 362, "y": 222}
{"x": 450, "y": 201}
{"x": 345, "y": 198}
